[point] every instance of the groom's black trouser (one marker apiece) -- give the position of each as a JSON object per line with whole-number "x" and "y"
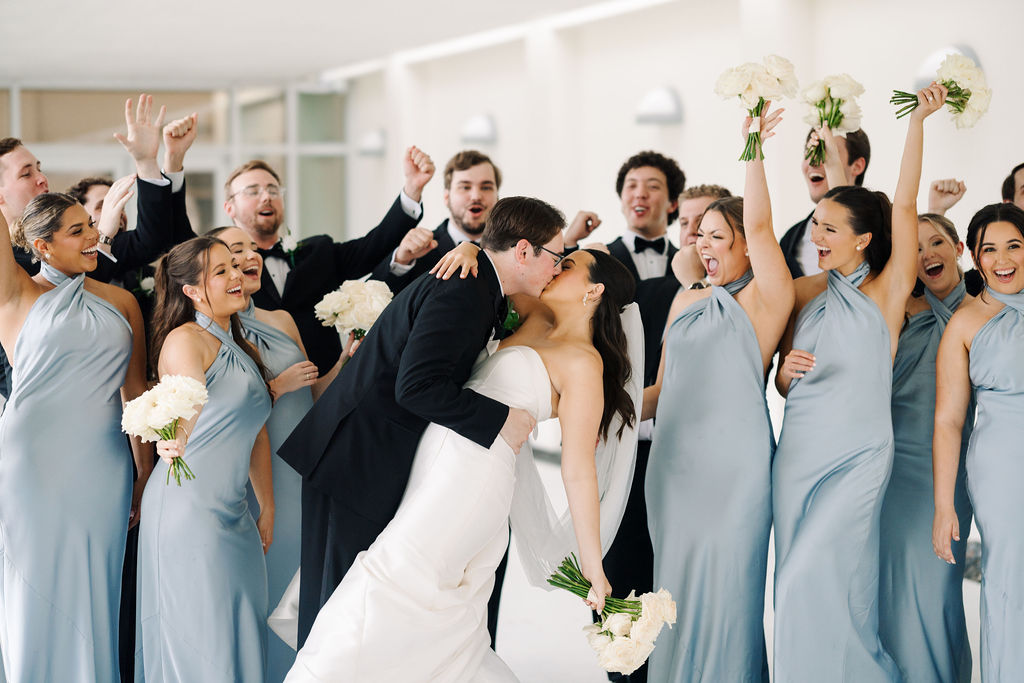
{"x": 495, "y": 599}
{"x": 332, "y": 535}
{"x": 629, "y": 563}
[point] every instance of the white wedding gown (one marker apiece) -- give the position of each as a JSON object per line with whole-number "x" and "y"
{"x": 413, "y": 607}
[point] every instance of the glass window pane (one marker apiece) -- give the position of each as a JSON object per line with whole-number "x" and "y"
{"x": 92, "y": 117}
{"x": 263, "y": 117}
{"x": 5, "y": 114}
{"x": 321, "y": 117}
{"x": 322, "y": 197}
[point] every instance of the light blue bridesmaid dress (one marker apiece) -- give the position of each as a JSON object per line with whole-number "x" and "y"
{"x": 921, "y": 600}
{"x": 278, "y": 353}
{"x": 828, "y": 479}
{"x": 202, "y": 576}
{"x": 995, "y": 480}
{"x": 708, "y": 491}
{"x": 65, "y": 489}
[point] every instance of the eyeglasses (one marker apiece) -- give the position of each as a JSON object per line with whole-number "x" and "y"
{"x": 254, "y": 191}
{"x": 558, "y": 257}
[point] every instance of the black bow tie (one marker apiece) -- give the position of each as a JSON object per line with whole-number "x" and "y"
{"x": 639, "y": 244}
{"x": 277, "y": 251}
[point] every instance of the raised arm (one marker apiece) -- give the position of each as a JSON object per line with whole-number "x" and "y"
{"x": 13, "y": 278}
{"x": 952, "y": 396}
{"x": 901, "y": 270}
{"x": 774, "y": 281}
{"x": 580, "y": 406}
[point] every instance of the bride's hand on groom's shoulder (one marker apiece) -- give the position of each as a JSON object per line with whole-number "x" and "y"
{"x": 462, "y": 257}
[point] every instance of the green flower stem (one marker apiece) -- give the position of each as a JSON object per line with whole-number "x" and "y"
{"x": 570, "y": 577}
{"x": 956, "y": 99}
{"x": 178, "y": 468}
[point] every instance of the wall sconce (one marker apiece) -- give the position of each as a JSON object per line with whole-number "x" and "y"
{"x": 373, "y": 143}
{"x": 479, "y": 129}
{"x": 660, "y": 106}
{"x": 926, "y": 72}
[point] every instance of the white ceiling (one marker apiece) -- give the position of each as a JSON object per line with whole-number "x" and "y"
{"x": 96, "y": 42}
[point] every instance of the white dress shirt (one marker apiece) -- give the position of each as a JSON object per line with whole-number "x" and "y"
{"x": 649, "y": 263}
{"x": 808, "y": 254}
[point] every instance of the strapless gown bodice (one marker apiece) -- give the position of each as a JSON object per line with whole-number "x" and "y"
{"x": 515, "y": 376}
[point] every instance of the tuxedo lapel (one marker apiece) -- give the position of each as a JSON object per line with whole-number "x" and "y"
{"x": 671, "y": 253}
{"x": 618, "y": 249}
{"x": 268, "y": 287}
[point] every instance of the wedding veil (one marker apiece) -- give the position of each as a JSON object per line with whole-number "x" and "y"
{"x": 543, "y": 536}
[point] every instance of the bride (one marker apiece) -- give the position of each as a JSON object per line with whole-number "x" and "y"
{"x": 414, "y": 606}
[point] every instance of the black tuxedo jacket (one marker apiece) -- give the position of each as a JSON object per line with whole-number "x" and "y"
{"x": 423, "y": 264}
{"x": 790, "y": 244}
{"x": 654, "y": 297}
{"x": 320, "y": 266}
{"x": 162, "y": 223}
{"x": 357, "y": 442}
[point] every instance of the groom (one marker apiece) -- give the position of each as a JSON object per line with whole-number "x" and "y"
{"x": 354, "y": 449}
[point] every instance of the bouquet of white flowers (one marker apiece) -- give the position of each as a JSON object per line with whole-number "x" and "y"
{"x": 832, "y": 106}
{"x": 968, "y": 97}
{"x": 754, "y": 83}
{"x": 354, "y": 306}
{"x": 625, "y": 637}
{"x": 154, "y": 416}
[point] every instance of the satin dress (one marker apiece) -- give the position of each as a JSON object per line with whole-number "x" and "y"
{"x": 413, "y": 607}
{"x": 828, "y": 480}
{"x": 995, "y": 472}
{"x": 202, "y": 576}
{"x": 708, "y": 490}
{"x": 279, "y": 352}
{"x": 65, "y": 489}
{"x": 921, "y": 598}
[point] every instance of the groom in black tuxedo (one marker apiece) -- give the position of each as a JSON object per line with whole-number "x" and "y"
{"x": 354, "y": 449}
{"x": 648, "y": 185}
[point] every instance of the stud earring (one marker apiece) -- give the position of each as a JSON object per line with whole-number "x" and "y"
{"x": 47, "y": 256}
{"x": 859, "y": 247}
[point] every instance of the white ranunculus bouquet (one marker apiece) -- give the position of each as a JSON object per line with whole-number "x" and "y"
{"x": 968, "y": 97}
{"x": 625, "y": 637}
{"x": 753, "y": 84}
{"x": 834, "y": 106}
{"x": 154, "y": 416}
{"x": 354, "y": 306}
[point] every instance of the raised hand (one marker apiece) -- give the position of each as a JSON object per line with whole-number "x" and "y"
{"x": 416, "y": 243}
{"x": 766, "y": 122}
{"x": 418, "y": 169}
{"x": 113, "y": 205}
{"x": 582, "y": 225}
{"x": 178, "y": 137}
{"x": 143, "y": 139}
{"x": 944, "y": 194}
{"x": 687, "y": 265}
{"x": 929, "y": 101}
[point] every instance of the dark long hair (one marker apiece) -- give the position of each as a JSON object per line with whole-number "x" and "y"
{"x": 186, "y": 264}
{"x": 987, "y": 215}
{"x": 870, "y": 212}
{"x": 610, "y": 339}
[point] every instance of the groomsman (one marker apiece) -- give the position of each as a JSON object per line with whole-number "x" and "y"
{"x": 1013, "y": 186}
{"x": 648, "y": 185}
{"x": 471, "y": 184}
{"x": 855, "y": 153}
{"x": 296, "y": 277}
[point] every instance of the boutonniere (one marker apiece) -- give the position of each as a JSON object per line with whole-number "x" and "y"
{"x": 146, "y": 286}
{"x": 290, "y": 246}
{"x": 511, "y": 321}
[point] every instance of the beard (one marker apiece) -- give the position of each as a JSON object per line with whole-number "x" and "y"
{"x": 472, "y": 231}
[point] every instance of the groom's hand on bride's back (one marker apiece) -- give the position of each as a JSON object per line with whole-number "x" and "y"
{"x": 517, "y": 428}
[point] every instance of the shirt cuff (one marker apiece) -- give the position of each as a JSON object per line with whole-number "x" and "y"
{"x": 398, "y": 268}
{"x": 177, "y": 179}
{"x": 412, "y": 208}
{"x": 159, "y": 182}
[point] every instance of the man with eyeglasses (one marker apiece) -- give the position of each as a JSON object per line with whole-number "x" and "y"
{"x": 648, "y": 185}
{"x": 296, "y": 276}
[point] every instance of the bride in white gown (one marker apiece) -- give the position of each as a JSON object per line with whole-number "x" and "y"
{"x": 413, "y": 607}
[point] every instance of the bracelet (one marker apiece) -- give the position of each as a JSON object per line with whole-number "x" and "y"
{"x": 186, "y": 432}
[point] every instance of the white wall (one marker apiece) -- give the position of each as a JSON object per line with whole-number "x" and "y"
{"x": 564, "y": 100}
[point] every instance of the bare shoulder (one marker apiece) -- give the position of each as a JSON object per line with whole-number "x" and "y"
{"x": 970, "y": 317}
{"x": 685, "y": 298}
{"x": 119, "y": 297}
{"x": 573, "y": 362}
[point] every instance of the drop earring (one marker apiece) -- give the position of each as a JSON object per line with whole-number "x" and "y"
{"x": 586, "y": 295}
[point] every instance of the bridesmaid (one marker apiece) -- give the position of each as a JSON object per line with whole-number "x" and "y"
{"x": 835, "y": 451}
{"x": 921, "y": 602}
{"x": 202, "y": 575}
{"x": 78, "y": 350}
{"x": 712, "y": 450}
{"x": 981, "y": 353}
{"x": 294, "y": 388}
